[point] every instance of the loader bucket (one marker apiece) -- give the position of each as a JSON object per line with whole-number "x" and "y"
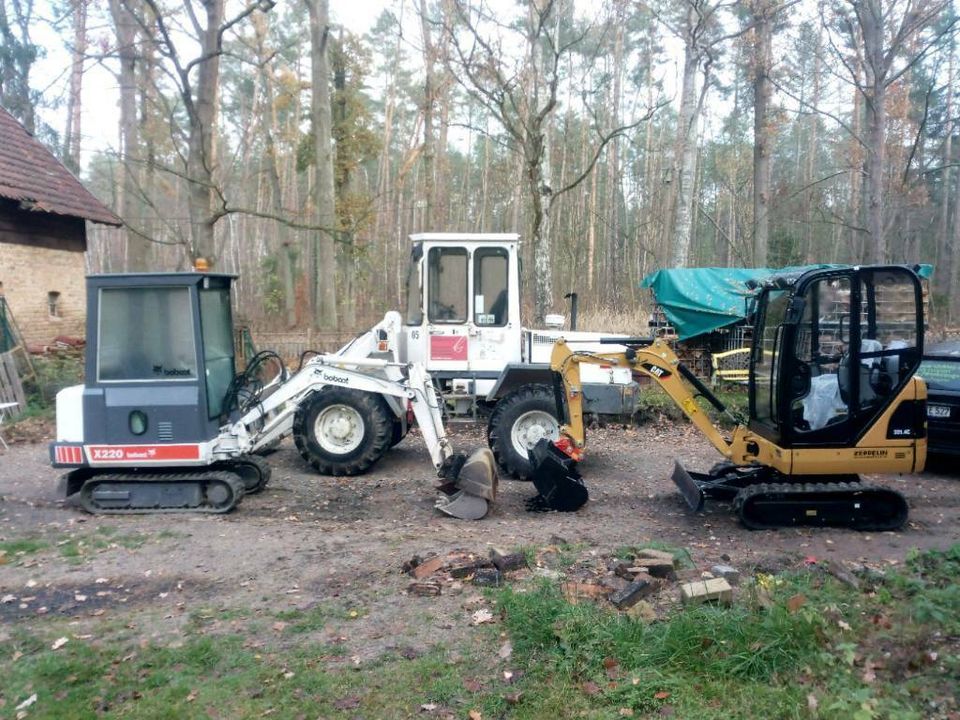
{"x": 478, "y": 476}
{"x": 557, "y": 480}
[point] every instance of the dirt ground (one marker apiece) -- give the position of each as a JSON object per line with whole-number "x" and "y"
{"x": 310, "y": 541}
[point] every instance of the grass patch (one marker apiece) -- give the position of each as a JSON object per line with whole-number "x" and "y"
{"x": 653, "y": 403}
{"x": 218, "y": 676}
{"x": 23, "y": 546}
{"x": 859, "y": 655}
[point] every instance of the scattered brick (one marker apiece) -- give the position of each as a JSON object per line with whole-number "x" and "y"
{"x": 657, "y": 568}
{"x": 466, "y": 569}
{"x": 507, "y": 562}
{"x": 425, "y": 588}
{"x": 574, "y": 592}
{"x": 634, "y": 592}
{"x": 427, "y": 568}
{"x": 488, "y": 577}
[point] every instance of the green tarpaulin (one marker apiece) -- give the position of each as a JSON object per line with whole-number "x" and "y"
{"x": 701, "y": 300}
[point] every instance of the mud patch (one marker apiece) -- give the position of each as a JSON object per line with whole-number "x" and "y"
{"x": 93, "y": 599}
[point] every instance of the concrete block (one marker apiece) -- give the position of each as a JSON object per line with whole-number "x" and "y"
{"x": 727, "y": 572}
{"x": 700, "y": 591}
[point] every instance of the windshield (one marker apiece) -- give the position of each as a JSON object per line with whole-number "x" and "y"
{"x": 941, "y": 373}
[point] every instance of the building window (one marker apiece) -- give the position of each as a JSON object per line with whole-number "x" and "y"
{"x": 53, "y": 303}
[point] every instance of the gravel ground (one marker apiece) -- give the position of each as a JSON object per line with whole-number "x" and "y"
{"x": 339, "y": 543}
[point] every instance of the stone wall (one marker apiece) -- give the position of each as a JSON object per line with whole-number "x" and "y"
{"x": 28, "y": 276}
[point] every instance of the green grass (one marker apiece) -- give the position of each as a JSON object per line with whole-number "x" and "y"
{"x": 654, "y": 403}
{"x": 23, "y": 546}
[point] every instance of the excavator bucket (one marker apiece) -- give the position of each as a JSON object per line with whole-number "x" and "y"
{"x": 472, "y": 485}
{"x": 557, "y": 480}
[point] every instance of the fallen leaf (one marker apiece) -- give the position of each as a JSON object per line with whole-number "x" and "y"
{"x": 661, "y": 695}
{"x": 351, "y": 702}
{"x": 610, "y": 662}
{"x": 192, "y": 696}
{"x": 475, "y": 715}
{"x": 472, "y": 685}
{"x": 590, "y": 688}
{"x": 796, "y": 602}
{"x": 625, "y": 712}
{"x": 27, "y": 703}
{"x": 428, "y": 707}
{"x": 812, "y": 702}
{"x": 59, "y": 643}
{"x": 279, "y": 626}
{"x": 506, "y": 650}
{"x": 513, "y": 698}
{"x": 482, "y": 616}
{"x": 843, "y": 625}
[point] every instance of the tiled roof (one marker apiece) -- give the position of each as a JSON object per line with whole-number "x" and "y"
{"x": 30, "y": 174}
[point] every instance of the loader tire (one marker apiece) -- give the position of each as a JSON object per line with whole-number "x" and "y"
{"x": 341, "y": 431}
{"x": 518, "y": 421}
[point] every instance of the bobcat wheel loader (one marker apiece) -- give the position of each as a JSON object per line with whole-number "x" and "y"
{"x": 832, "y": 395}
{"x": 163, "y": 423}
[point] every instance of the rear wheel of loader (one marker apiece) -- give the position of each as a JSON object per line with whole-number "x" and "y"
{"x": 520, "y": 421}
{"x": 342, "y": 432}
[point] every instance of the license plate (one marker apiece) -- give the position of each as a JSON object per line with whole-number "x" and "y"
{"x": 938, "y": 411}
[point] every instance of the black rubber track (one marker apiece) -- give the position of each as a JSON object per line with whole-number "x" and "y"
{"x": 505, "y": 414}
{"x": 378, "y": 431}
{"x": 840, "y": 504}
{"x": 150, "y": 482}
{"x": 253, "y": 470}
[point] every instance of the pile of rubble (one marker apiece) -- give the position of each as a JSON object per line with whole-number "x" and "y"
{"x": 635, "y": 583}
{"x": 433, "y": 573}
{"x": 649, "y": 577}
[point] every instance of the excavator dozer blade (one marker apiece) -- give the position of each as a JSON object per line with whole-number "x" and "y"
{"x": 478, "y": 476}
{"x": 463, "y": 505}
{"x": 557, "y": 480}
{"x": 688, "y": 487}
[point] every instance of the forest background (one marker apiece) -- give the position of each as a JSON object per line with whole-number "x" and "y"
{"x": 616, "y": 137}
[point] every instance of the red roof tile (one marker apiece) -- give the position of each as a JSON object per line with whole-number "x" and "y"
{"x": 31, "y": 174}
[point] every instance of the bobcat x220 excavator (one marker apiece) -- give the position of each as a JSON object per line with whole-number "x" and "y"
{"x": 832, "y": 394}
{"x": 163, "y": 423}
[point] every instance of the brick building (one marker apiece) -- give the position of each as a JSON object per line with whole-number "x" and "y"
{"x": 43, "y": 214}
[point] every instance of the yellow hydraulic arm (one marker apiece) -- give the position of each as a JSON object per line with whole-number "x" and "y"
{"x": 658, "y": 361}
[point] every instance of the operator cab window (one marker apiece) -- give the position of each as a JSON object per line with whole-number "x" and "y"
{"x": 490, "y": 299}
{"x": 414, "y": 289}
{"x": 216, "y": 327}
{"x": 447, "y": 285}
{"x": 146, "y": 334}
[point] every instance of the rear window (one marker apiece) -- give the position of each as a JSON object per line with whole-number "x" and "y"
{"x": 941, "y": 373}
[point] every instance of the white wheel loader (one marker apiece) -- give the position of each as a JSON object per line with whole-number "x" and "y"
{"x": 163, "y": 423}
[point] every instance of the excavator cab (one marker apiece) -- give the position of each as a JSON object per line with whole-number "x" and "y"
{"x": 832, "y": 351}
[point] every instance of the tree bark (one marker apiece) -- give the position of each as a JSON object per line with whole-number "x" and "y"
{"x": 138, "y": 249}
{"x": 762, "y": 12}
{"x": 72, "y": 135}
{"x": 324, "y": 289}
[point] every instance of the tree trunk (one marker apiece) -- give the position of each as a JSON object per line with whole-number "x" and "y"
{"x": 72, "y": 135}
{"x": 138, "y": 249}
{"x": 686, "y": 154}
{"x": 762, "y": 59}
{"x": 429, "y": 100}
{"x": 325, "y": 291}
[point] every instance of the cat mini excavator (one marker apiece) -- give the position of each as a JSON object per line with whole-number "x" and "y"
{"x": 832, "y": 395}
{"x": 163, "y": 423}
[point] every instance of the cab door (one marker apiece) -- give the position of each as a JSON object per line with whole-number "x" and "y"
{"x": 447, "y": 299}
{"x": 494, "y": 334}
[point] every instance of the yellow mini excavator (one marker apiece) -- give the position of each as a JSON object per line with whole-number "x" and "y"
{"x": 832, "y": 395}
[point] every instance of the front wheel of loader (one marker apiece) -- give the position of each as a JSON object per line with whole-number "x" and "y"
{"x": 518, "y": 423}
{"x": 341, "y": 431}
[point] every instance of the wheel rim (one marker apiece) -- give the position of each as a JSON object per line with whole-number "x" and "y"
{"x": 530, "y": 428}
{"x": 338, "y": 429}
